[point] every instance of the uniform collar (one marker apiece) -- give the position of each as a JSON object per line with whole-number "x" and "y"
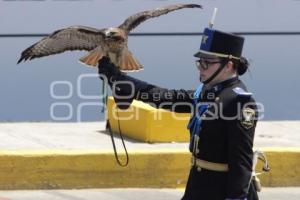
{"x": 219, "y": 86}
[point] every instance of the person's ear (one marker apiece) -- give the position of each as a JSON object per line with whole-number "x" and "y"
{"x": 229, "y": 66}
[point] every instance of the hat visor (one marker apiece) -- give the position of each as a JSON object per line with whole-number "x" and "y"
{"x": 202, "y": 54}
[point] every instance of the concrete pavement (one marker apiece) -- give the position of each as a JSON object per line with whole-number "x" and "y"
{"x": 91, "y": 136}
{"x": 80, "y": 155}
{"x": 291, "y": 193}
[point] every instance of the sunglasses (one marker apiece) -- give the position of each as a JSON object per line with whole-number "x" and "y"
{"x": 204, "y": 64}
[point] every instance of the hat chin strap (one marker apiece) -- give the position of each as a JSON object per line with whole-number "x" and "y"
{"x": 215, "y": 74}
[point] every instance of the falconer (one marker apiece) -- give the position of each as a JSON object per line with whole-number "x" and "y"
{"x": 223, "y": 121}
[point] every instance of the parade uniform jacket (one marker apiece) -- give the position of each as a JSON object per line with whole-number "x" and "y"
{"x": 226, "y": 134}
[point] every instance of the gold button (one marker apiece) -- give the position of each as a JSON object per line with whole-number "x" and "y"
{"x": 199, "y": 169}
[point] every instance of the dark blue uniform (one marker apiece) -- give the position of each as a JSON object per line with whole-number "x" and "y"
{"x": 227, "y": 117}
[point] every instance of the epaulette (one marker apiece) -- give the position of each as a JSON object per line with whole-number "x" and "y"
{"x": 241, "y": 92}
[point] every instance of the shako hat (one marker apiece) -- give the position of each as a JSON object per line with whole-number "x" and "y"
{"x": 216, "y": 43}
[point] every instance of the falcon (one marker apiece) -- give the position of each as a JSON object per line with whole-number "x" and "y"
{"x": 108, "y": 42}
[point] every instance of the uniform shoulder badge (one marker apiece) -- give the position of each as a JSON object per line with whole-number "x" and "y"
{"x": 241, "y": 92}
{"x": 248, "y": 116}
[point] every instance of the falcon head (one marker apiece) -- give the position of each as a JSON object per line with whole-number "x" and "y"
{"x": 115, "y": 34}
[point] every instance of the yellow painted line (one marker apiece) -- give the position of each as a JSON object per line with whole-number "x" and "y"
{"x": 157, "y": 168}
{"x": 84, "y": 152}
{"x": 91, "y": 169}
{"x": 285, "y": 168}
{"x": 280, "y": 149}
{"x": 136, "y": 151}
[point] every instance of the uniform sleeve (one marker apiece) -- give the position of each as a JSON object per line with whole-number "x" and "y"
{"x": 126, "y": 88}
{"x": 240, "y": 142}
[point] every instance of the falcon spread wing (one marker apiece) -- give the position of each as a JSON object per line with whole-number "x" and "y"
{"x": 134, "y": 20}
{"x": 72, "y": 38}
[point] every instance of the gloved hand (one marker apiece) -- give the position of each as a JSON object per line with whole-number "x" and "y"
{"x": 108, "y": 69}
{"x": 124, "y": 88}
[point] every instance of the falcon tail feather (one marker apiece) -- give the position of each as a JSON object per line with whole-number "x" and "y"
{"x": 129, "y": 63}
{"x": 92, "y": 58}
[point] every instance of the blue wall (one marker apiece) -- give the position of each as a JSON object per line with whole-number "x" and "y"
{"x": 168, "y": 61}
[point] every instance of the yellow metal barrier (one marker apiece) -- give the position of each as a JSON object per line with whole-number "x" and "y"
{"x": 148, "y": 124}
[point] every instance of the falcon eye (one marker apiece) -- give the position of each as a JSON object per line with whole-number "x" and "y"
{"x": 110, "y": 34}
